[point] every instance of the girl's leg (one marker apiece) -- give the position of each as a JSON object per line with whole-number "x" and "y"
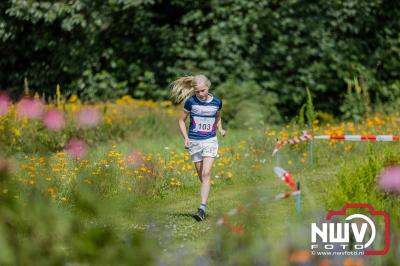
{"x": 199, "y": 168}
{"x": 205, "y": 178}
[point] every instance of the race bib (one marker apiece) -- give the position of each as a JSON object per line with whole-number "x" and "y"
{"x": 203, "y": 124}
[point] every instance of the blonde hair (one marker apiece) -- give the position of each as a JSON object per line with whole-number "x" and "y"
{"x": 183, "y": 87}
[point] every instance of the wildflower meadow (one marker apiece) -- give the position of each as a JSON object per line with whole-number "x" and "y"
{"x": 110, "y": 183}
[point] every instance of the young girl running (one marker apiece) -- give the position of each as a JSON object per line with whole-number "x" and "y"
{"x": 205, "y": 117}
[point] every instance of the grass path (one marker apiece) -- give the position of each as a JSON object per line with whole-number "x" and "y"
{"x": 171, "y": 217}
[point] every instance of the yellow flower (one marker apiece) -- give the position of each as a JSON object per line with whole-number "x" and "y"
{"x": 73, "y": 99}
{"x": 74, "y": 108}
{"x": 166, "y": 103}
{"x": 108, "y": 119}
{"x": 126, "y": 99}
{"x": 16, "y": 132}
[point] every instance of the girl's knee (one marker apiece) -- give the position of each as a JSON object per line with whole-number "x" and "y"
{"x": 205, "y": 180}
{"x": 206, "y": 175}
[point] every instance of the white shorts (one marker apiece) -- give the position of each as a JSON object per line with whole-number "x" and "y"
{"x": 203, "y": 148}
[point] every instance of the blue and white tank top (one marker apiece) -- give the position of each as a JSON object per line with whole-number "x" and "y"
{"x": 203, "y": 116}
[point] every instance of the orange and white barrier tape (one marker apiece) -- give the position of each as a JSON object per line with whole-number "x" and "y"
{"x": 224, "y": 220}
{"x": 359, "y": 137}
{"x": 307, "y": 137}
{"x": 302, "y": 138}
{"x": 286, "y": 195}
{"x": 286, "y": 177}
{"x": 237, "y": 229}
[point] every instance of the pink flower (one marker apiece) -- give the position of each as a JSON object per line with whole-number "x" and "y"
{"x": 389, "y": 179}
{"x": 54, "y": 119}
{"x": 77, "y": 148}
{"x": 4, "y": 103}
{"x": 89, "y": 117}
{"x": 134, "y": 159}
{"x": 30, "y": 108}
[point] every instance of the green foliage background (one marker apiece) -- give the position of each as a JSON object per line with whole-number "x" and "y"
{"x": 102, "y": 49}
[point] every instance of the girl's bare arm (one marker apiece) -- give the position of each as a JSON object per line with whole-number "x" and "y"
{"x": 182, "y": 127}
{"x": 219, "y": 124}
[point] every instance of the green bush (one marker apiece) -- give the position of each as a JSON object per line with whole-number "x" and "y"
{"x": 100, "y": 86}
{"x": 246, "y": 104}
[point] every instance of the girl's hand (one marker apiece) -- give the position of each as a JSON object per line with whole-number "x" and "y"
{"x": 186, "y": 143}
{"x": 222, "y": 132}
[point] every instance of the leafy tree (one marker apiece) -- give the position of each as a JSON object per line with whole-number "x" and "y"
{"x": 283, "y": 46}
